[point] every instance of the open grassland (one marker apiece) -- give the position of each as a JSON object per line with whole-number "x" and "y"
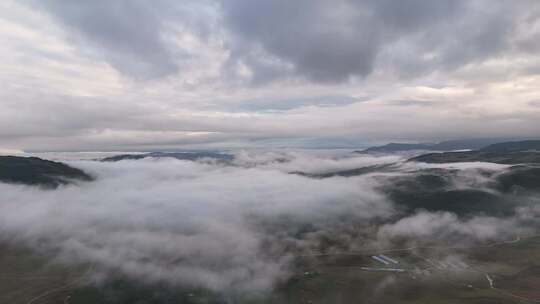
{"x": 26, "y": 278}
{"x": 507, "y": 272}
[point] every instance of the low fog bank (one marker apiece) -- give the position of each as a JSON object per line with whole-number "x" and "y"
{"x": 239, "y": 226}
{"x": 311, "y": 162}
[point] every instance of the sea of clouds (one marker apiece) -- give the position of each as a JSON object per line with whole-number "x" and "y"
{"x": 235, "y": 226}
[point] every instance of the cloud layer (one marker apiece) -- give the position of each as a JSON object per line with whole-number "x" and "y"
{"x": 315, "y": 39}
{"x": 132, "y": 76}
{"x": 180, "y": 222}
{"x": 238, "y": 227}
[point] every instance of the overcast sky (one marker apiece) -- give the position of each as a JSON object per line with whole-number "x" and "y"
{"x": 167, "y": 74}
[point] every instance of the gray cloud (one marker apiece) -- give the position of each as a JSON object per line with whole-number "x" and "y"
{"x": 180, "y": 222}
{"x": 128, "y": 32}
{"x": 133, "y": 36}
{"x": 424, "y": 227}
{"x": 331, "y": 42}
{"x": 411, "y": 102}
{"x": 236, "y": 228}
{"x": 445, "y": 226}
{"x": 292, "y": 103}
{"x": 55, "y": 123}
{"x": 317, "y": 40}
{"x": 315, "y": 37}
{"x": 276, "y": 73}
{"x": 534, "y": 103}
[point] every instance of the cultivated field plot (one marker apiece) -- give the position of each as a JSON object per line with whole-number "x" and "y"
{"x": 26, "y": 278}
{"x": 506, "y": 272}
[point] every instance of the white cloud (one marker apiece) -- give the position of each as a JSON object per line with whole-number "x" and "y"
{"x": 67, "y": 83}
{"x": 180, "y": 222}
{"x": 237, "y": 227}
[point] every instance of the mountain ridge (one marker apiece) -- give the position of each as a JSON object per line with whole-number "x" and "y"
{"x": 511, "y": 152}
{"x": 448, "y": 145}
{"x": 39, "y": 172}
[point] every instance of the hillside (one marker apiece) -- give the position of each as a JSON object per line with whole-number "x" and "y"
{"x": 514, "y": 146}
{"x": 449, "y": 145}
{"x": 37, "y": 171}
{"x": 397, "y": 147}
{"x": 508, "y": 158}
{"x": 178, "y": 155}
{"x": 513, "y": 152}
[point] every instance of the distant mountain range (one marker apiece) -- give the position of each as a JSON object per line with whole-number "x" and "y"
{"x": 514, "y": 146}
{"x": 514, "y": 152}
{"x": 51, "y": 174}
{"x": 450, "y": 145}
{"x": 434, "y": 189}
{"x": 37, "y": 171}
{"x": 177, "y": 155}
